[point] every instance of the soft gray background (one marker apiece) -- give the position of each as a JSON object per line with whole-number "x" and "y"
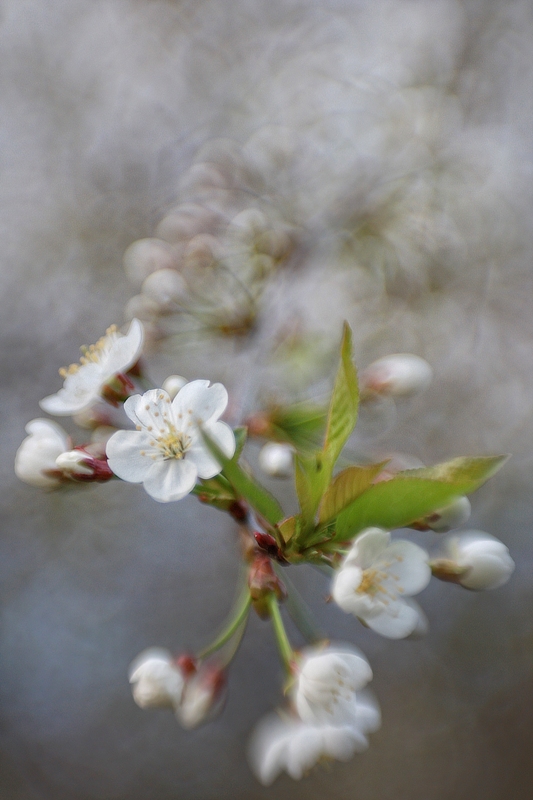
{"x": 103, "y": 106}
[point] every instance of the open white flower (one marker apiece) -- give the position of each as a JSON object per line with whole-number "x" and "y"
{"x": 35, "y": 462}
{"x": 156, "y": 679}
{"x": 475, "y": 560}
{"x": 112, "y": 355}
{"x": 374, "y": 576}
{"x": 167, "y": 452}
{"x": 328, "y": 683}
{"x": 290, "y": 744}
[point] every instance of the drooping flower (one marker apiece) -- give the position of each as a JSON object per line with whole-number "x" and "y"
{"x": 112, "y": 355}
{"x": 35, "y": 462}
{"x": 167, "y": 452}
{"x": 157, "y": 679}
{"x": 373, "y": 578}
{"x": 279, "y": 744}
{"x": 327, "y": 684}
{"x": 475, "y": 560}
{"x": 203, "y": 696}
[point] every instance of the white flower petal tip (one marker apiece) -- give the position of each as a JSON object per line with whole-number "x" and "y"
{"x": 203, "y": 697}
{"x": 375, "y": 577}
{"x": 396, "y": 375}
{"x": 277, "y": 460}
{"x": 295, "y": 747}
{"x": 475, "y": 560}
{"x": 35, "y": 461}
{"x": 444, "y": 520}
{"x": 112, "y": 355}
{"x": 327, "y": 684}
{"x": 167, "y": 452}
{"x": 157, "y": 681}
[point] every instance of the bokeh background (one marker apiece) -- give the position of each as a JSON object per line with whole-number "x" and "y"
{"x": 396, "y": 137}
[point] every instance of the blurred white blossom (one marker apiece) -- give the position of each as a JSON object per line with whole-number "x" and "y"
{"x": 157, "y": 681}
{"x": 276, "y": 459}
{"x": 35, "y": 461}
{"x": 475, "y": 560}
{"x": 397, "y": 375}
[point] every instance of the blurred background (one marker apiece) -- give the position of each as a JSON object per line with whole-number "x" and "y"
{"x": 393, "y": 140}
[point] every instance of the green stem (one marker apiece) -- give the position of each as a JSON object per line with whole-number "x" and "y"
{"x": 298, "y": 609}
{"x": 284, "y": 645}
{"x": 241, "y": 614}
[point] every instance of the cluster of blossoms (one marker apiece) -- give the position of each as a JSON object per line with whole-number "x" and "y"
{"x": 173, "y": 441}
{"x": 212, "y": 254}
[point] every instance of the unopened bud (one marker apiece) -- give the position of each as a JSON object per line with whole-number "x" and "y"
{"x": 203, "y": 697}
{"x": 145, "y": 256}
{"x": 475, "y": 560}
{"x": 276, "y": 460}
{"x": 73, "y": 462}
{"x": 268, "y": 545}
{"x": 445, "y": 519}
{"x": 263, "y": 582}
{"x": 165, "y": 287}
{"x": 156, "y": 679}
{"x": 173, "y": 384}
{"x": 397, "y": 375}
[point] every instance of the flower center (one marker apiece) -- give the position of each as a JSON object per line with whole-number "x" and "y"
{"x": 92, "y": 354}
{"x": 371, "y": 582}
{"x": 174, "y": 443}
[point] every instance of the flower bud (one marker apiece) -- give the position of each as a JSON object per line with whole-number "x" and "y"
{"x": 276, "y": 460}
{"x": 156, "y": 679}
{"x": 73, "y": 462}
{"x": 165, "y": 287}
{"x": 475, "y": 560}
{"x": 173, "y": 384}
{"x": 263, "y": 582}
{"x": 203, "y": 697}
{"x": 145, "y": 256}
{"x": 445, "y": 519}
{"x": 397, "y": 375}
{"x": 35, "y": 461}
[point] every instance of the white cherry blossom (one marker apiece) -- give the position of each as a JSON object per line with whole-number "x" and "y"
{"x": 112, "y": 355}
{"x": 156, "y": 679}
{"x": 374, "y": 577}
{"x": 327, "y": 684}
{"x": 397, "y": 375}
{"x": 277, "y": 460}
{"x": 475, "y": 560}
{"x": 167, "y": 452}
{"x": 288, "y": 743}
{"x": 35, "y": 461}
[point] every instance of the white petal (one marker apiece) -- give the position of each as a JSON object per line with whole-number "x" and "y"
{"x": 396, "y": 622}
{"x": 149, "y": 409}
{"x": 129, "y": 455}
{"x": 345, "y": 584}
{"x": 125, "y": 351}
{"x": 170, "y": 480}
{"x": 367, "y": 547}
{"x": 406, "y": 565}
{"x": 79, "y": 390}
{"x": 206, "y": 403}
{"x": 342, "y": 742}
{"x": 206, "y": 464}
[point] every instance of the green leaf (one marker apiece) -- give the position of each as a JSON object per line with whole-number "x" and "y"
{"x": 471, "y": 472}
{"x": 300, "y": 424}
{"x": 312, "y": 474}
{"x": 394, "y": 504}
{"x": 413, "y": 494}
{"x": 241, "y": 435}
{"x": 245, "y": 486}
{"x": 342, "y": 413}
{"x": 346, "y": 487}
{"x": 289, "y": 528}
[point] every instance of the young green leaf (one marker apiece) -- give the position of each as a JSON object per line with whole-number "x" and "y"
{"x": 312, "y": 474}
{"x": 345, "y": 488}
{"x": 241, "y": 435}
{"x": 471, "y": 472}
{"x": 289, "y": 528}
{"x": 245, "y": 486}
{"x": 342, "y": 413}
{"x": 394, "y": 504}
